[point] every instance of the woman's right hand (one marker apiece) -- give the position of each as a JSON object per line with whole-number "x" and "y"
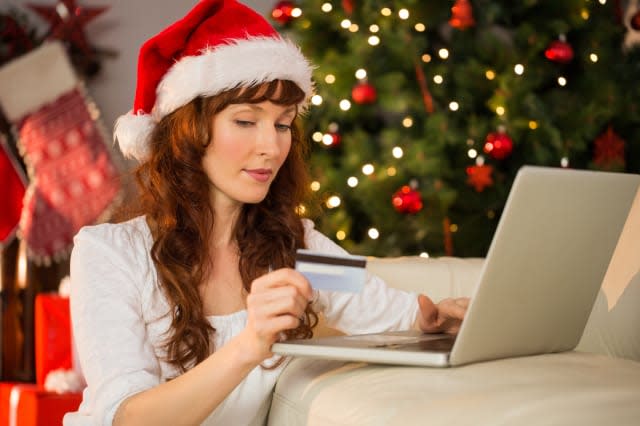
{"x": 276, "y": 303}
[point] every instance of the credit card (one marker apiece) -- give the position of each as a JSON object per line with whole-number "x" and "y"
{"x": 332, "y": 272}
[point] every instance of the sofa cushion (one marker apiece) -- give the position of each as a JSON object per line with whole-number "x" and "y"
{"x": 560, "y": 389}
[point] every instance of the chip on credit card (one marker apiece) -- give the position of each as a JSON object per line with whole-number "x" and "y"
{"x": 331, "y": 272}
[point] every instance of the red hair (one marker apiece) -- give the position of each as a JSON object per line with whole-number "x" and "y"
{"x": 173, "y": 191}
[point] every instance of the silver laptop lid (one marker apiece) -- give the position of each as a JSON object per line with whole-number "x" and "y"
{"x": 546, "y": 262}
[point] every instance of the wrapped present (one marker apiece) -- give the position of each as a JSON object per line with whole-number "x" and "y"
{"x": 31, "y": 405}
{"x": 53, "y": 347}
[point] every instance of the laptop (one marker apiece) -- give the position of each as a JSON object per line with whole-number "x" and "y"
{"x": 542, "y": 273}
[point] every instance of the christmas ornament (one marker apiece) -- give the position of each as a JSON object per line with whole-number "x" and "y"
{"x": 559, "y": 51}
{"x": 364, "y": 93}
{"x": 608, "y": 151}
{"x": 68, "y": 22}
{"x": 347, "y": 6}
{"x": 282, "y": 12}
{"x": 498, "y": 145}
{"x": 407, "y": 200}
{"x": 11, "y": 193}
{"x": 427, "y": 99}
{"x": 462, "y": 15}
{"x": 332, "y": 138}
{"x": 73, "y": 179}
{"x": 479, "y": 177}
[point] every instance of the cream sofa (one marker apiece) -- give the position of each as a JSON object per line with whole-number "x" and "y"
{"x": 597, "y": 384}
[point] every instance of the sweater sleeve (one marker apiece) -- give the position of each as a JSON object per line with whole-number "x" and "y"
{"x": 376, "y": 308}
{"x": 107, "y": 319}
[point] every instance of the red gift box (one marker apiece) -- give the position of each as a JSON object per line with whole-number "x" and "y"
{"x": 52, "y": 335}
{"x": 30, "y": 405}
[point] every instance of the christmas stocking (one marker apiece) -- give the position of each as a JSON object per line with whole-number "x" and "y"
{"x": 73, "y": 179}
{"x": 11, "y": 193}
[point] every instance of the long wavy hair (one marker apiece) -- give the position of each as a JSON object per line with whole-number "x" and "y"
{"x": 173, "y": 192}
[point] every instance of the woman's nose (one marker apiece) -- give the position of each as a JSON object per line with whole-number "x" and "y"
{"x": 267, "y": 143}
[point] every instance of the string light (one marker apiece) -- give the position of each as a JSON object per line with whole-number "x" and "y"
{"x": 296, "y": 12}
{"x": 454, "y": 106}
{"x": 584, "y": 13}
{"x": 443, "y": 53}
{"x": 326, "y": 7}
{"x": 368, "y": 169}
{"x": 562, "y": 81}
{"x": 345, "y": 105}
{"x": 315, "y": 186}
{"x": 373, "y": 233}
{"x": 385, "y": 11}
{"x": 317, "y": 136}
{"x": 333, "y": 202}
{"x": 490, "y": 74}
{"x": 420, "y": 27}
{"x": 593, "y": 57}
{"x": 354, "y": 28}
{"x": 373, "y": 40}
{"x": 391, "y": 171}
{"x": 352, "y": 181}
{"x": 424, "y": 254}
{"x": 397, "y": 152}
{"x": 426, "y": 58}
{"x": 403, "y": 14}
{"x": 374, "y": 28}
{"x": 407, "y": 122}
{"x": 533, "y": 125}
{"x": 327, "y": 139}
{"x": 316, "y": 100}
{"x": 518, "y": 69}
{"x": 330, "y": 79}
{"x": 472, "y": 153}
{"x": 564, "y": 162}
{"x": 301, "y": 209}
{"x": 361, "y": 74}
{"x": 345, "y": 24}
{"x": 500, "y": 110}
{"x": 437, "y": 79}
{"x": 341, "y": 235}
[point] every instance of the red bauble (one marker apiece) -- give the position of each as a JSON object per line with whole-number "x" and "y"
{"x": 634, "y": 22}
{"x": 332, "y": 139}
{"x": 364, "y": 93}
{"x": 281, "y": 12}
{"x": 347, "y": 6}
{"x": 559, "y": 51}
{"x": 462, "y": 15}
{"x": 608, "y": 151}
{"x": 407, "y": 200}
{"x": 498, "y": 145}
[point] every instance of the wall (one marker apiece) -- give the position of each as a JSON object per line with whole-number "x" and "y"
{"x": 123, "y": 28}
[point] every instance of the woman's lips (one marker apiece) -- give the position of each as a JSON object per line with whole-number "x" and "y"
{"x": 261, "y": 175}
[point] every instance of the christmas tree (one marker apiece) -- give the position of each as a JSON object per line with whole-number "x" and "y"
{"x": 425, "y": 110}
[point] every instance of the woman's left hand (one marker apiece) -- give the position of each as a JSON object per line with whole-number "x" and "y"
{"x": 443, "y": 317}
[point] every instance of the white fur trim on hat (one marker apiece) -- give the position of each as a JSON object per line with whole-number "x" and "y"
{"x": 132, "y": 134}
{"x": 240, "y": 63}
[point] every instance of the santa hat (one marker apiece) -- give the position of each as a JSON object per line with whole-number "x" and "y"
{"x": 218, "y": 45}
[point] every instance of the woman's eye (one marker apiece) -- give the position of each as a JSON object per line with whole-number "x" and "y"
{"x": 244, "y": 123}
{"x": 283, "y": 127}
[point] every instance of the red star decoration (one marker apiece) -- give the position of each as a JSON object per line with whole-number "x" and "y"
{"x": 68, "y": 21}
{"x": 609, "y": 151}
{"x": 480, "y": 177}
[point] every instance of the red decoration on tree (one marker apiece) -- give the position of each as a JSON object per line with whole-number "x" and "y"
{"x": 14, "y": 39}
{"x": 559, "y": 51}
{"x": 609, "y": 151}
{"x": 68, "y": 22}
{"x": 364, "y": 93}
{"x": 634, "y": 22}
{"x": 282, "y": 12}
{"x": 480, "y": 177}
{"x": 347, "y": 6}
{"x": 407, "y": 200}
{"x": 462, "y": 15}
{"x": 498, "y": 145}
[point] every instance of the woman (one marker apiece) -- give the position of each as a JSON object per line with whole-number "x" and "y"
{"x": 174, "y": 311}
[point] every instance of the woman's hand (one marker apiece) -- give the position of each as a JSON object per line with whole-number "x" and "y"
{"x": 276, "y": 303}
{"x": 444, "y": 317}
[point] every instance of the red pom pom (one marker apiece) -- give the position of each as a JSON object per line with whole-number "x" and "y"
{"x": 498, "y": 145}
{"x": 559, "y": 51}
{"x": 364, "y": 93}
{"x": 407, "y": 200}
{"x": 635, "y": 21}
